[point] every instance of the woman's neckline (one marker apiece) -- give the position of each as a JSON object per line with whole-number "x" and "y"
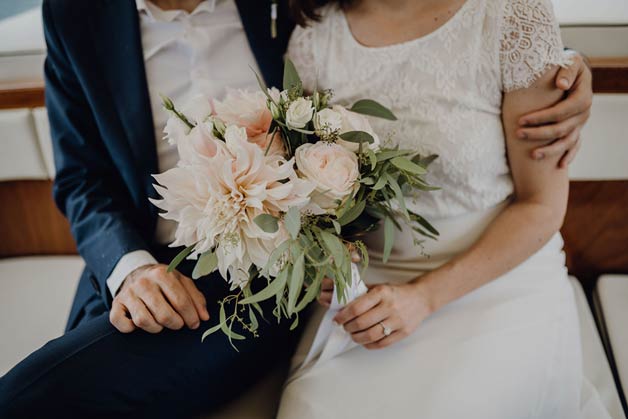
{"x": 409, "y": 42}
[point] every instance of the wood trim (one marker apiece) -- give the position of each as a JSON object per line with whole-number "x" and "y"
{"x": 610, "y": 75}
{"x": 596, "y": 229}
{"x": 30, "y": 223}
{"x": 22, "y": 94}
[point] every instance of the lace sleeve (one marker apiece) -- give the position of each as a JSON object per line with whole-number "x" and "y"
{"x": 529, "y": 42}
{"x": 301, "y": 52}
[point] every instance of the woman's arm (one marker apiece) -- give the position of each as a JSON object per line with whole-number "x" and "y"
{"x": 528, "y": 222}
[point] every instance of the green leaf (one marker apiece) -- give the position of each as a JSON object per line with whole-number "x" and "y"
{"x": 333, "y": 244}
{"x": 292, "y": 220}
{"x": 389, "y": 237}
{"x": 253, "y": 319}
{"x": 337, "y": 226}
{"x": 357, "y": 137}
{"x": 311, "y": 293}
{"x": 290, "y": 75}
{"x": 398, "y": 194}
{"x": 295, "y": 323}
{"x": 372, "y": 108}
{"x": 389, "y": 154}
{"x": 381, "y": 182}
{"x": 372, "y": 158}
{"x": 408, "y": 166}
{"x": 205, "y": 265}
{"x": 262, "y": 84}
{"x": 275, "y": 287}
{"x": 275, "y": 256}
{"x": 296, "y": 282}
{"x": 267, "y": 223}
{"x": 426, "y": 224}
{"x": 352, "y": 213}
{"x": 211, "y": 330}
{"x": 226, "y": 330}
{"x": 179, "y": 258}
{"x": 425, "y": 161}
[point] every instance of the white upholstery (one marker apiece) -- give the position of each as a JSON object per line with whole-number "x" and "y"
{"x": 604, "y": 153}
{"x": 40, "y": 116}
{"x": 591, "y": 12}
{"x": 35, "y": 298}
{"x": 597, "y": 41}
{"x": 612, "y": 304}
{"x": 596, "y": 367}
{"x": 22, "y": 46}
{"x": 21, "y": 157}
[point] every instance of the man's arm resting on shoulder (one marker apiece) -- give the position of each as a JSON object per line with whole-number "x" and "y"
{"x": 561, "y": 123}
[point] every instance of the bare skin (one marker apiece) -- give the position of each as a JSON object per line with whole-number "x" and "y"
{"x": 533, "y": 216}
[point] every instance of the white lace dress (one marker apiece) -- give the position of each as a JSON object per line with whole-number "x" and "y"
{"x": 511, "y": 348}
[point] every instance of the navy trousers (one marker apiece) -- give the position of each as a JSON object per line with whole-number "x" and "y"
{"x": 95, "y": 371}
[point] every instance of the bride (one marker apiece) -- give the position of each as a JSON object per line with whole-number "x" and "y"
{"x": 480, "y": 323}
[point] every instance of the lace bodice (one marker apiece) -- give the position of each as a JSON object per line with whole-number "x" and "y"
{"x": 446, "y": 89}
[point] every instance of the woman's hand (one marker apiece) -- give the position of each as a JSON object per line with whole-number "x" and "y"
{"x": 401, "y": 308}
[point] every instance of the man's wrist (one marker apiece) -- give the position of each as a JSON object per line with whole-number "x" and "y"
{"x": 127, "y": 264}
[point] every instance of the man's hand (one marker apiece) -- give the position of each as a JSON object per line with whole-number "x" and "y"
{"x": 563, "y": 121}
{"x": 151, "y": 298}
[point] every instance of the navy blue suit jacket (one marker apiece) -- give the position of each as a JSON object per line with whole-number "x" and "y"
{"x": 102, "y": 128}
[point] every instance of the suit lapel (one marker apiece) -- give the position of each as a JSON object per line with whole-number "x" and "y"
{"x": 117, "y": 39}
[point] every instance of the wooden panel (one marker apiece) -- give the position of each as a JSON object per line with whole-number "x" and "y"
{"x": 23, "y": 94}
{"x": 610, "y": 75}
{"x": 596, "y": 229}
{"x": 30, "y": 223}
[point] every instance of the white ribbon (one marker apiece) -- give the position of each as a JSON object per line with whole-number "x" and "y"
{"x": 331, "y": 339}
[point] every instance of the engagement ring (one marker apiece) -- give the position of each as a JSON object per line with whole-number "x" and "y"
{"x": 387, "y": 330}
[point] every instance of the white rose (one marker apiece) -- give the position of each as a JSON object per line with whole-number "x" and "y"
{"x": 175, "y": 130}
{"x": 327, "y": 121}
{"x": 332, "y": 169}
{"x": 299, "y": 113}
{"x": 352, "y": 121}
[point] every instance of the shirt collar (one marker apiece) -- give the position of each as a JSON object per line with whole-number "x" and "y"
{"x": 149, "y": 9}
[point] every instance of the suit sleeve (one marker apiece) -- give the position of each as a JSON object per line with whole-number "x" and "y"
{"x": 88, "y": 188}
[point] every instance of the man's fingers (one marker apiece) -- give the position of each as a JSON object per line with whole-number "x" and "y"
{"x": 197, "y": 297}
{"x": 570, "y": 155}
{"x": 118, "y": 318}
{"x": 161, "y": 310}
{"x": 180, "y": 300}
{"x": 567, "y": 76}
{"x": 558, "y": 147}
{"x": 576, "y": 103}
{"x": 140, "y": 315}
{"x": 549, "y": 132}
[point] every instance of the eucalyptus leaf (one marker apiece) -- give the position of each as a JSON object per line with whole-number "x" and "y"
{"x": 253, "y": 319}
{"x": 274, "y": 288}
{"x": 373, "y": 108}
{"x": 311, "y": 292}
{"x": 398, "y": 194}
{"x": 337, "y": 226}
{"x": 352, "y": 213}
{"x": 295, "y": 323}
{"x": 357, "y": 137}
{"x": 226, "y": 330}
{"x": 408, "y": 166}
{"x": 210, "y": 331}
{"x": 292, "y": 221}
{"x": 389, "y": 237}
{"x": 205, "y": 265}
{"x": 381, "y": 182}
{"x": 296, "y": 283}
{"x": 267, "y": 223}
{"x": 179, "y": 258}
{"x": 372, "y": 158}
{"x": 290, "y": 75}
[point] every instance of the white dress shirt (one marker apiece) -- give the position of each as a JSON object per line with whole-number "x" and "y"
{"x": 186, "y": 54}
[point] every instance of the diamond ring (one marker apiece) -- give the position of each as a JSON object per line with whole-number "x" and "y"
{"x": 387, "y": 330}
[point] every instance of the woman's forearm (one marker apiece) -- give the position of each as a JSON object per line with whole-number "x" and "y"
{"x": 515, "y": 235}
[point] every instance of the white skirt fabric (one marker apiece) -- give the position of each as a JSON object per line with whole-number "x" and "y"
{"x": 510, "y": 349}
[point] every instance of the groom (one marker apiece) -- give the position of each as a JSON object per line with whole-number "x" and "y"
{"x": 133, "y": 343}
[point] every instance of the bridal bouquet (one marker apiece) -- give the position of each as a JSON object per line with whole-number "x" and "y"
{"x": 273, "y": 189}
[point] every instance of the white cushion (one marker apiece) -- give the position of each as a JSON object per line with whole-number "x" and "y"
{"x": 42, "y": 126}
{"x": 35, "y": 298}
{"x": 597, "y": 371}
{"x": 21, "y": 157}
{"x": 612, "y": 300}
{"x": 604, "y": 142}
{"x": 22, "y": 46}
